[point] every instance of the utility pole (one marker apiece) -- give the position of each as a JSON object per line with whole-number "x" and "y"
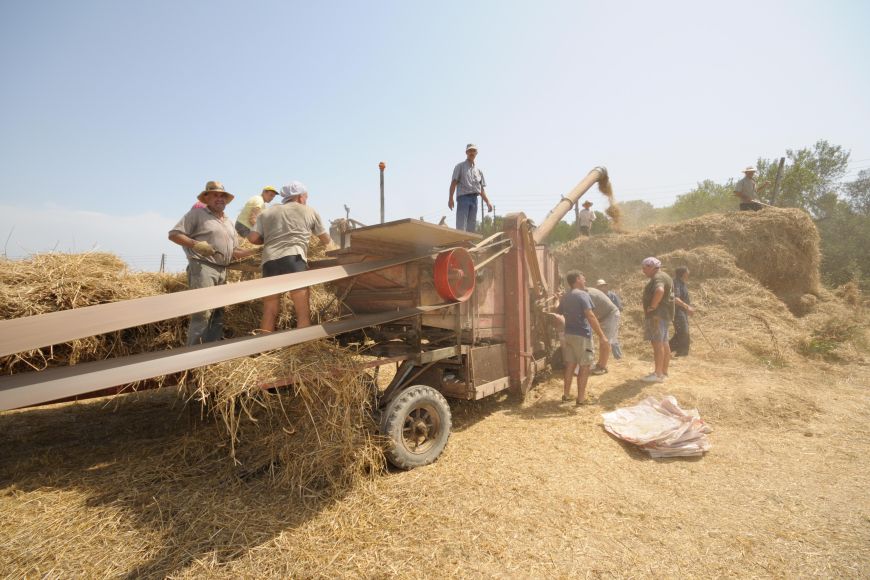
{"x": 382, "y": 166}
{"x": 162, "y": 263}
{"x": 776, "y": 182}
{"x": 577, "y": 216}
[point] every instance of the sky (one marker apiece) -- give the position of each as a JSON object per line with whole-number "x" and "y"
{"x": 114, "y": 114}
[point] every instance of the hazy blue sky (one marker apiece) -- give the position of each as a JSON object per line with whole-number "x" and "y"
{"x": 114, "y": 114}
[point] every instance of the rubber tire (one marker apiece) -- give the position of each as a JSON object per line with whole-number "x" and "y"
{"x": 423, "y": 400}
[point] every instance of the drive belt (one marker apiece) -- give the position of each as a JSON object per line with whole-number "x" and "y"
{"x": 22, "y": 334}
{"x": 23, "y": 390}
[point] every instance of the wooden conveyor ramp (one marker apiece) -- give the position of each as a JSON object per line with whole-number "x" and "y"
{"x": 22, "y": 334}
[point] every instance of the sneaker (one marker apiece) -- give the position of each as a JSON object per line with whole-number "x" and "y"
{"x": 651, "y": 378}
{"x": 597, "y": 370}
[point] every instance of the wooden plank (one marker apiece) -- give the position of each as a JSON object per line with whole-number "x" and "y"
{"x": 412, "y": 232}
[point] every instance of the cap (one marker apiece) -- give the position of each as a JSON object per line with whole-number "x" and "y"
{"x": 470, "y": 146}
{"x": 293, "y": 189}
{"x": 601, "y": 283}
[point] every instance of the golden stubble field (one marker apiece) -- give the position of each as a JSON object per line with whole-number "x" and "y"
{"x": 531, "y": 489}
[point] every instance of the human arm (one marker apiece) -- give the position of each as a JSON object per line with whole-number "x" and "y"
{"x": 687, "y": 307}
{"x": 450, "y": 202}
{"x": 485, "y": 200}
{"x": 239, "y": 252}
{"x": 656, "y": 298}
{"x": 202, "y": 248}
{"x": 596, "y": 326}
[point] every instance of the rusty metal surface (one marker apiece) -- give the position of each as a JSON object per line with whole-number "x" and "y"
{"x": 487, "y": 363}
{"x": 27, "y": 389}
{"x": 21, "y": 334}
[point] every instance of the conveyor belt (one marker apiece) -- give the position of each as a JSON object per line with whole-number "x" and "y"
{"x": 27, "y": 389}
{"x": 21, "y": 334}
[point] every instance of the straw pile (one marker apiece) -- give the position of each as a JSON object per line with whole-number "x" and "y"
{"x": 314, "y": 436}
{"x": 753, "y": 275}
{"x": 52, "y": 282}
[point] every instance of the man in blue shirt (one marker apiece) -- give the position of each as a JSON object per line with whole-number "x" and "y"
{"x": 577, "y": 347}
{"x": 469, "y": 181}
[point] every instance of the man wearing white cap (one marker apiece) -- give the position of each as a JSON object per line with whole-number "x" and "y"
{"x": 210, "y": 243}
{"x": 285, "y": 231}
{"x": 467, "y": 182}
{"x": 658, "y": 310}
{"x": 746, "y": 192}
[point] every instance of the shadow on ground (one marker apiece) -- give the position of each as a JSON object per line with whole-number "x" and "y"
{"x": 170, "y": 477}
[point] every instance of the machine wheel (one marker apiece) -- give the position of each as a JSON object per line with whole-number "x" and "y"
{"x": 417, "y": 422}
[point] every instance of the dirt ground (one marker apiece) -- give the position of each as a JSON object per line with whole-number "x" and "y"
{"x": 532, "y": 489}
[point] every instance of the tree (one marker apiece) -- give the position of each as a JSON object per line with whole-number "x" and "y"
{"x": 810, "y": 177}
{"x": 707, "y": 197}
{"x": 638, "y": 214}
{"x": 858, "y": 193}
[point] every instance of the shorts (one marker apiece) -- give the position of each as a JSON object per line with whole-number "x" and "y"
{"x": 284, "y": 265}
{"x": 242, "y": 229}
{"x": 655, "y": 329}
{"x": 578, "y": 350}
{"x": 586, "y": 231}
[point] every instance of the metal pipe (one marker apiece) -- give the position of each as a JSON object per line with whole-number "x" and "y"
{"x": 597, "y": 175}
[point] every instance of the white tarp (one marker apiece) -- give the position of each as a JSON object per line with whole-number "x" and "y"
{"x": 660, "y": 427}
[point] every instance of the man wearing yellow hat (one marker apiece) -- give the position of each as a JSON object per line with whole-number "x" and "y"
{"x": 252, "y": 209}
{"x": 210, "y": 243}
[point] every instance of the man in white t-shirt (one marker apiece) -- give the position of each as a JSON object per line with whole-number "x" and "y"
{"x": 285, "y": 231}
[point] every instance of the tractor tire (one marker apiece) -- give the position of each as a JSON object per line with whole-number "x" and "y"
{"x": 417, "y": 422}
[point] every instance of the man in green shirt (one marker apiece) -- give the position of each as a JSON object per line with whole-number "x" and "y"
{"x": 658, "y": 309}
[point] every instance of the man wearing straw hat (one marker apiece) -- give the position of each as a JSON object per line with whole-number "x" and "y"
{"x": 585, "y": 217}
{"x": 745, "y": 190}
{"x": 285, "y": 231}
{"x": 253, "y": 208}
{"x": 468, "y": 182}
{"x": 658, "y": 309}
{"x": 210, "y": 243}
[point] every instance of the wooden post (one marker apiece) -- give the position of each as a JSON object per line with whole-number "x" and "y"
{"x": 382, "y": 166}
{"x": 162, "y": 263}
{"x": 776, "y": 182}
{"x": 577, "y": 216}
{"x": 481, "y": 211}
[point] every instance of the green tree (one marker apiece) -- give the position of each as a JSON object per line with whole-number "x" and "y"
{"x": 638, "y": 214}
{"x": 858, "y": 193}
{"x": 707, "y": 197}
{"x": 810, "y": 177}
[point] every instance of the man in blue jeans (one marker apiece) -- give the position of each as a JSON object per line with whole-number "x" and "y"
{"x": 468, "y": 182}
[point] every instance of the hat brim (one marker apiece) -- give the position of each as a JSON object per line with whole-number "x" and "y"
{"x": 202, "y": 195}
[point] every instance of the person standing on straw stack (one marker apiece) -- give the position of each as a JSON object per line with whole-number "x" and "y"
{"x": 658, "y": 308}
{"x": 252, "y": 209}
{"x": 745, "y": 190}
{"x": 585, "y": 217}
{"x": 285, "y": 231}
{"x": 210, "y": 243}
{"x": 577, "y": 347}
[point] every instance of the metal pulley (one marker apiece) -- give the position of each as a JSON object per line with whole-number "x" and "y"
{"x": 454, "y": 275}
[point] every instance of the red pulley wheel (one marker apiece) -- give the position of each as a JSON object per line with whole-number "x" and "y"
{"x": 454, "y": 275}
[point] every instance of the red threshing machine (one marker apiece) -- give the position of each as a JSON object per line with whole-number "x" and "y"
{"x": 461, "y": 317}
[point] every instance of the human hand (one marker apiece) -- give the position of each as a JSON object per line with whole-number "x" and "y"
{"x": 203, "y": 248}
{"x": 488, "y": 207}
{"x": 450, "y": 203}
